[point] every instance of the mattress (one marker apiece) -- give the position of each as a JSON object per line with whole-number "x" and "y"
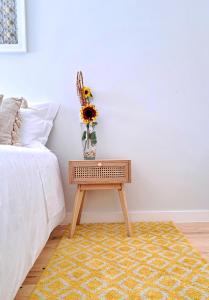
{"x": 31, "y": 206}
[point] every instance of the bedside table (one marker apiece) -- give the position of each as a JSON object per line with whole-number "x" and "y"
{"x": 99, "y": 175}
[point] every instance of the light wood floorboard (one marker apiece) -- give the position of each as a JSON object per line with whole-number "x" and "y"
{"x": 196, "y": 233}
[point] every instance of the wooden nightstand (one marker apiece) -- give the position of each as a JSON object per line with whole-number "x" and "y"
{"x": 98, "y": 175}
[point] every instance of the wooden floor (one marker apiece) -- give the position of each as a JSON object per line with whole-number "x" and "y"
{"x": 197, "y": 233}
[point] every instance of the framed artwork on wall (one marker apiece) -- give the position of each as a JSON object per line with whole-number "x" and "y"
{"x": 12, "y": 26}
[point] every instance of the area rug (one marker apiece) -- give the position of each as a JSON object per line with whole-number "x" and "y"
{"x": 101, "y": 262}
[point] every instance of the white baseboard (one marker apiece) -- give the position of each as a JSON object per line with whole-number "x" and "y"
{"x": 180, "y": 216}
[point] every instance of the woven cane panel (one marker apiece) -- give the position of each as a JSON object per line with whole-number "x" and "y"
{"x": 99, "y": 172}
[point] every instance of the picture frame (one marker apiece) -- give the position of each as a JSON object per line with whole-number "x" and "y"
{"x": 13, "y": 26}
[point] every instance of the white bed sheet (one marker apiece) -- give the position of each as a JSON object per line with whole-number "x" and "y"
{"x": 31, "y": 206}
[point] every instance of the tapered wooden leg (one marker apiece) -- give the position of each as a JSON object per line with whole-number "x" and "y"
{"x": 76, "y": 209}
{"x": 124, "y": 207}
{"x": 80, "y": 211}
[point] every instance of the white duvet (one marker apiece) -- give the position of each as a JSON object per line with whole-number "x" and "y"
{"x": 31, "y": 205}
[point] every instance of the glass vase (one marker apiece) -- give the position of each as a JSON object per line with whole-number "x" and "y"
{"x": 89, "y": 141}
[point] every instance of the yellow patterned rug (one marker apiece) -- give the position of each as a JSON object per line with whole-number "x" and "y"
{"x": 100, "y": 262}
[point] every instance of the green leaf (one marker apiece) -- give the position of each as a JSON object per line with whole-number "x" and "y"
{"x": 84, "y": 136}
{"x": 93, "y": 138}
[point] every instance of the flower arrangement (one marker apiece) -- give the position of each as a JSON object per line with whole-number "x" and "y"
{"x": 88, "y": 115}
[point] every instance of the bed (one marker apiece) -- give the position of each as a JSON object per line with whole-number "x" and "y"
{"x": 31, "y": 206}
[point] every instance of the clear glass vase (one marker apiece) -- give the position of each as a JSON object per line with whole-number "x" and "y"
{"x": 89, "y": 141}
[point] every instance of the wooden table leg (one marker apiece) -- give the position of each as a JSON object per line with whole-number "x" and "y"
{"x": 76, "y": 209}
{"x": 124, "y": 207}
{"x": 80, "y": 211}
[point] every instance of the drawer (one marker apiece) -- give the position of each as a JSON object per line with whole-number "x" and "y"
{"x": 99, "y": 171}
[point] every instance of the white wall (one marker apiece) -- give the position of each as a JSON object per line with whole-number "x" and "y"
{"x": 147, "y": 62}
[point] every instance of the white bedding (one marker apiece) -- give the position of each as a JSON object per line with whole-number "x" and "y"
{"x": 31, "y": 205}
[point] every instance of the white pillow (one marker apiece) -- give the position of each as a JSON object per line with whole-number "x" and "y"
{"x": 37, "y": 122}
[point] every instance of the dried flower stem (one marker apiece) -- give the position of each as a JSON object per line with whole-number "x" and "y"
{"x": 79, "y": 84}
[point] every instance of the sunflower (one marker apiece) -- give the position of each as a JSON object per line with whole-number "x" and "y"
{"x": 86, "y": 91}
{"x": 88, "y": 113}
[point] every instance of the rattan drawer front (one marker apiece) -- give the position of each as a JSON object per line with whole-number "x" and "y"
{"x": 103, "y": 171}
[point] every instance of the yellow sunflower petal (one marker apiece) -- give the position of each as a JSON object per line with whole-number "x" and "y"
{"x": 88, "y": 113}
{"x": 86, "y": 91}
